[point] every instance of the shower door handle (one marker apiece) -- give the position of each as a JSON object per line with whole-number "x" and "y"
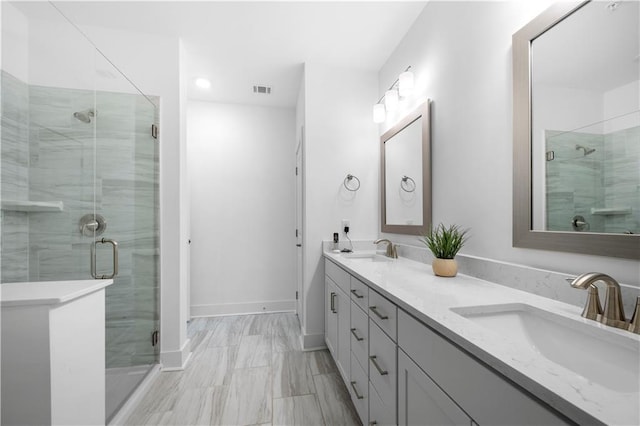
{"x": 114, "y": 245}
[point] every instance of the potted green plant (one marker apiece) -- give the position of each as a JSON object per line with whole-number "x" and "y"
{"x": 445, "y": 242}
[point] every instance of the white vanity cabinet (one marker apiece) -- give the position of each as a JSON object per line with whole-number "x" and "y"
{"x": 482, "y": 394}
{"x": 401, "y": 371}
{"x": 337, "y": 316}
{"x": 372, "y": 347}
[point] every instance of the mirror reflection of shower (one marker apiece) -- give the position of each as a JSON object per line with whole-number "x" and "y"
{"x": 86, "y": 115}
{"x": 586, "y": 151}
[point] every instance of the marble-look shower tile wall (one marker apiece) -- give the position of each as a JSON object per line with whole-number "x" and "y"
{"x": 14, "y": 178}
{"x": 109, "y": 166}
{"x": 622, "y": 179}
{"x": 61, "y": 152}
{"x": 607, "y": 178}
{"x": 574, "y": 180}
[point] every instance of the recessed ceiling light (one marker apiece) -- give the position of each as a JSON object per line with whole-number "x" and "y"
{"x": 203, "y": 83}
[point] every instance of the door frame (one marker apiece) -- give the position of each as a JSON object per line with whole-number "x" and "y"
{"x": 299, "y": 213}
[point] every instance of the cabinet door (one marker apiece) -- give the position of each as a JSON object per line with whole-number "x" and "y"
{"x": 484, "y": 394}
{"x": 331, "y": 316}
{"x": 421, "y": 401}
{"x": 343, "y": 302}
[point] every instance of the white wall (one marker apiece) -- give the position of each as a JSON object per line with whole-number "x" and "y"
{"x": 340, "y": 139}
{"x": 241, "y": 164}
{"x": 461, "y": 56}
{"x": 619, "y": 102}
{"x": 15, "y": 38}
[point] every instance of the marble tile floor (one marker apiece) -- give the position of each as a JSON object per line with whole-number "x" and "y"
{"x": 248, "y": 370}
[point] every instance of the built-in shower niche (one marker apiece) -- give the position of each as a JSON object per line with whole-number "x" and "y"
{"x": 594, "y": 176}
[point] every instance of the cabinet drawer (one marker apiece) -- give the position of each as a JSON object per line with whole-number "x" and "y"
{"x": 384, "y": 313}
{"x": 382, "y": 364}
{"x": 380, "y": 413}
{"x": 359, "y": 390}
{"x": 360, "y": 293}
{"x": 338, "y": 275}
{"x": 359, "y": 334}
{"x": 482, "y": 393}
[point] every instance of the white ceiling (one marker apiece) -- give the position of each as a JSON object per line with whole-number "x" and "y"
{"x": 237, "y": 44}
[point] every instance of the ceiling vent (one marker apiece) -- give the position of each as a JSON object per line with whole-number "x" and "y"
{"x": 262, "y": 89}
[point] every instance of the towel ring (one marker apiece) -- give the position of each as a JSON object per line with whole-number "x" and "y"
{"x": 348, "y": 179}
{"x": 404, "y": 186}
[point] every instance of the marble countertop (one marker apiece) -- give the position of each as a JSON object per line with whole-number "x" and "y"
{"x": 48, "y": 292}
{"x": 414, "y": 288}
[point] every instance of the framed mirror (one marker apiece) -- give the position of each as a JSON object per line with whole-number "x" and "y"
{"x": 576, "y": 123}
{"x": 405, "y": 152}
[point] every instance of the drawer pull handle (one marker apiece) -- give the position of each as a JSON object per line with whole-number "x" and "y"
{"x": 374, "y": 309}
{"x": 333, "y": 303}
{"x": 355, "y": 293}
{"x": 375, "y": 364}
{"x": 355, "y": 390}
{"x": 358, "y": 338}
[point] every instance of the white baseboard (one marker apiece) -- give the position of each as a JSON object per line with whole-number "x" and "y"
{"x": 176, "y": 360}
{"x": 243, "y": 308}
{"x": 313, "y": 342}
{"x": 132, "y": 403}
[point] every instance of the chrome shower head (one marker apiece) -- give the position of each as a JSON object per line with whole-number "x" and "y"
{"x": 585, "y": 151}
{"x": 85, "y": 116}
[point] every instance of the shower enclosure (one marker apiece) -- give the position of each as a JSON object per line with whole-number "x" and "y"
{"x": 592, "y": 176}
{"x": 79, "y": 169}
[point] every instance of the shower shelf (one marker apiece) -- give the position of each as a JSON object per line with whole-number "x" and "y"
{"x": 610, "y": 211}
{"x": 32, "y": 206}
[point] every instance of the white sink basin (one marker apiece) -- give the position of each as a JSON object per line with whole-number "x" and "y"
{"x": 367, "y": 256}
{"x": 589, "y": 350}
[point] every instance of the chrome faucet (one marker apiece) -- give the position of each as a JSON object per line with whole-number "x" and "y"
{"x": 392, "y": 250}
{"x": 613, "y": 312}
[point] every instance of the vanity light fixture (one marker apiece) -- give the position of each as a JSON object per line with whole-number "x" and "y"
{"x": 379, "y": 114}
{"x": 401, "y": 88}
{"x": 203, "y": 83}
{"x": 391, "y": 100}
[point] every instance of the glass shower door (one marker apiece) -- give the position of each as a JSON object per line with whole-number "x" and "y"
{"x": 128, "y": 200}
{"x": 76, "y": 146}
